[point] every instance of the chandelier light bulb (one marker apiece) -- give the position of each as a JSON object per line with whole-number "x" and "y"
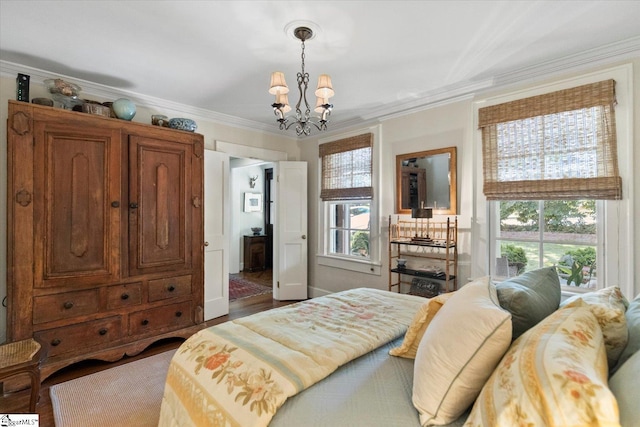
{"x": 283, "y": 99}
{"x": 320, "y": 103}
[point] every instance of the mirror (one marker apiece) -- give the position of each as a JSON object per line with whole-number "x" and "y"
{"x": 429, "y": 177}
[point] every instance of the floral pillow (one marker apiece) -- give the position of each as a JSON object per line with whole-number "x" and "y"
{"x": 420, "y": 322}
{"x": 609, "y": 307}
{"x": 554, "y": 374}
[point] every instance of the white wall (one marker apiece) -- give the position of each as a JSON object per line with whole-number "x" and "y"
{"x": 447, "y": 125}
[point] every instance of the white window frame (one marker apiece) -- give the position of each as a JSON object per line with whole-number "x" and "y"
{"x": 615, "y": 219}
{"x": 346, "y": 239}
{"x": 600, "y": 260}
{"x": 373, "y": 265}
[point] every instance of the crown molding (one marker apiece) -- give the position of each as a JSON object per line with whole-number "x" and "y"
{"x": 603, "y": 55}
{"x": 38, "y": 76}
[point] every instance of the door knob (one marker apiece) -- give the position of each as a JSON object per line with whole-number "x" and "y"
{"x": 133, "y": 205}
{"x": 206, "y": 243}
{"x": 304, "y": 236}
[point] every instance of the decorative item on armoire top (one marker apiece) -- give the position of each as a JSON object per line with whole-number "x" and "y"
{"x": 43, "y": 101}
{"x": 94, "y": 107}
{"x": 124, "y": 109}
{"x": 22, "y": 87}
{"x": 183, "y": 124}
{"x": 110, "y": 105}
{"x": 256, "y": 230}
{"x": 160, "y": 120}
{"x": 64, "y": 92}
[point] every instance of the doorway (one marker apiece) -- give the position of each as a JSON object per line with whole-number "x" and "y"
{"x": 251, "y": 217}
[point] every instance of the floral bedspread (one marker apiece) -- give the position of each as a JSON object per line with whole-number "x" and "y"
{"x": 240, "y": 372}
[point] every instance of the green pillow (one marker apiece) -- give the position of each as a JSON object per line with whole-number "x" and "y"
{"x": 633, "y": 325}
{"x": 625, "y": 387}
{"x": 530, "y": 297}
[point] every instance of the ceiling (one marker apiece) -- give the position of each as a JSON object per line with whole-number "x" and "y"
{"x": 384, "y": 57}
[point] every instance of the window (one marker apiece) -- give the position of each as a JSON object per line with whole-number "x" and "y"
{"x": 533, "y": 234}
{"x": 549, "y": 161}
{"x": 347, "y": 192}
{"x": 349, "y": 229}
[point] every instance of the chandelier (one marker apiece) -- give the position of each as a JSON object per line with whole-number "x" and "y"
{"x": 302, "y": 119}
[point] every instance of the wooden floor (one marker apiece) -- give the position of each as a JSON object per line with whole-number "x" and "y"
{"x": 19, "y": 402}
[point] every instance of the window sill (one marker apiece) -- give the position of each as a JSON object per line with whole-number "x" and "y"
{"x": 569, "y": 291}
{"x": 351, "y": 264}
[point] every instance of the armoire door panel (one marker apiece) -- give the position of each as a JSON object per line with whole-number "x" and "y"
{"x": 159, "y": 213}
{"x": 76, "y": 182}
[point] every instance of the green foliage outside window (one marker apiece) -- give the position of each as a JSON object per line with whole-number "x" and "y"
{"x": 360, "y": 243}
{"x": 559, "y": 215}
{"x": 515, "y": 255}
{"x": 578, "y": 265}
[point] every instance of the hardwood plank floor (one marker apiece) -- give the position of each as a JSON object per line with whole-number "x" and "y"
{"x": 18, "y": 402}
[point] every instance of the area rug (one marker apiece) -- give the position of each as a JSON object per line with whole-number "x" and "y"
{"x": 242, "y": 288}
{"x": 127, "y": 395}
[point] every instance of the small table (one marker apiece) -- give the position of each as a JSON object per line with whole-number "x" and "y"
{"x": 22, "y": 357}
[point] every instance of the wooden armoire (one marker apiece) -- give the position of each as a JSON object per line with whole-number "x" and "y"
{"x": 105, "y": 233}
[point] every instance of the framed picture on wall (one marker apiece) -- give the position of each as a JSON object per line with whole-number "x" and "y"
{"x": 252, "y": 202}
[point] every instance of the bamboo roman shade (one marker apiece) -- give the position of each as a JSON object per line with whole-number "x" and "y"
{"x": 560, "y": 145}
{"x": 347, "y": 168}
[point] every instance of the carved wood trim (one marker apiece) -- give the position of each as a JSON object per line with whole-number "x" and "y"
{"x": 23, "y": 198}
{"x": 21, "y": 123}
{"x": 198, "y": 149}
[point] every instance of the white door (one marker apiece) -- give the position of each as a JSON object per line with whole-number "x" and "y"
{"x": 216, "y": 237}
{"x": 290, "y": 232}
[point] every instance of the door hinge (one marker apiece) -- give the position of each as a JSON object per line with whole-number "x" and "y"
{"x": 278, "y": 284}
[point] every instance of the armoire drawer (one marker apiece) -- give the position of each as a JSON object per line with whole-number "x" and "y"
{"x": 81, "y": 336}
{"x": 171, "y": 287}
{"x": 170, "y": 316}
{"x": 64, "y": 306}
{"x": 124, "y": 295}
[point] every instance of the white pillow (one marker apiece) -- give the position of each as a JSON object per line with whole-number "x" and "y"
{"x": 459, "y": 351}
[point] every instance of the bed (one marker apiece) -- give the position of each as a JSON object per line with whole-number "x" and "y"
{"x": 325, "y": 362}
{"x": 311, "y": 363}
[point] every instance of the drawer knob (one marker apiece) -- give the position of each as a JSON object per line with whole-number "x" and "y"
{"x": 178, "y": 313}
{"x": 68, "y": 305}
{"x": 124, "y": 296}
{"x": 145, "y": 322}
{"x": 103, "y": 331}
{"x": 115, "y": 204}
{"x": 55, "y": 342}
{"x": 133, "y": 205}
{"x": 171, "y": 288}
